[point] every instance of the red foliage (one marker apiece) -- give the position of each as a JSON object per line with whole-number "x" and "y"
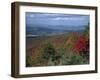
{"x": 81, "y": 44}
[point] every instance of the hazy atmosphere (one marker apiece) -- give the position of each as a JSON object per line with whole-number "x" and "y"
{"x": 54, "y": 39}
{"x": 56, "y": 21}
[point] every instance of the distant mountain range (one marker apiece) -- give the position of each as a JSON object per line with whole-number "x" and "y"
{"x": 42, "y": 31}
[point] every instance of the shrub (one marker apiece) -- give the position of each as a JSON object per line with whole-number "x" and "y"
{"x": 80, "y": 44}
{"x": 29, "y": 61}
{"x": 73, "y": 59}
{"x": 48, "y": 51}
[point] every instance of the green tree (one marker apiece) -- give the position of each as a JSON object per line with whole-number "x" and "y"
{"x": 48, "y": 51}
{"x": 28, "y": 60}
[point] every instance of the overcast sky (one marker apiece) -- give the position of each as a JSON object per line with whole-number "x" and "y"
{"x": 56, "y": 21}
